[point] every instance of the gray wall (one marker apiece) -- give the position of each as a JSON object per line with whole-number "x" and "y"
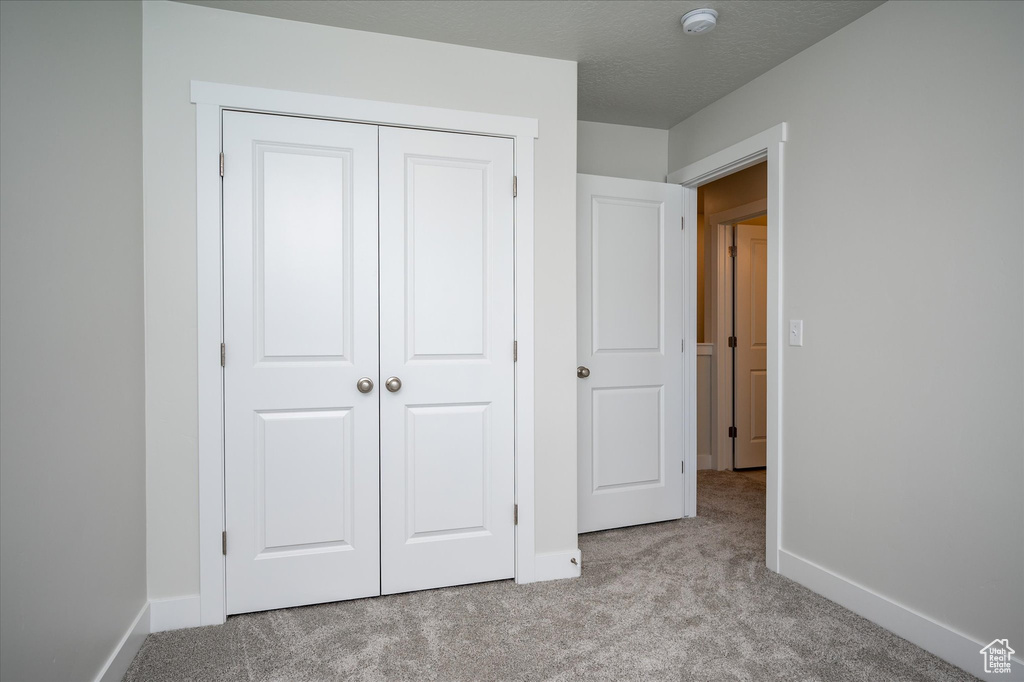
{"x": 183, "y": 42}
{"x": 903, "y": 436}
{"x": 621, "y": 151}
{"x": 72, "y": 462}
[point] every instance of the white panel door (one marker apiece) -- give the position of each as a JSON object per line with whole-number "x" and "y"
{"x": 447, "y": 328}
{"x": 300, "y": 329}
{"x": 629, "y": 266}
{"x": 751, "y": 417}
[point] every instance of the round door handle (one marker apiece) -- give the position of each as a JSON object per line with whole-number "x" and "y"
{"x": 393, "y": 384}
{"x": 582, "y": 372}
{"x": 365, "y": 385}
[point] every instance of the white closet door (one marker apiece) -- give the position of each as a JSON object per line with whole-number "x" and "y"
{"x": 629, "y": 266}
{"x": 300, "y": 327}
{"x": 446, "y": 321}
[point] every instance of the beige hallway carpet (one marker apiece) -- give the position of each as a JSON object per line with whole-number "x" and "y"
{"x": 683, "y": 600}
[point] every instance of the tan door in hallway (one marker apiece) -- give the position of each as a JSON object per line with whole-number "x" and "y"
{"x": 750, "y": 382}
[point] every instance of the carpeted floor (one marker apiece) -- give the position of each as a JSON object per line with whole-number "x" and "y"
{"x": 683, "y": 600}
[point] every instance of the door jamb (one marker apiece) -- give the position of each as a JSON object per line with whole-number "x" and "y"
{"x": 766, "y": 145}
{"x": 721, "y": 295}
{"x": 211, "y": 99}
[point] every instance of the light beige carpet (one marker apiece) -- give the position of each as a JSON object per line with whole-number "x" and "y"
{"x": 683, "y": 600}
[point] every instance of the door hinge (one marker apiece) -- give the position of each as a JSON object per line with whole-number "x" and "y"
{"x": 682, "y": 346}
{"x": 515, "y": 187}
{"x": 732, "y": 252}
{"x": 732, "y": 342}
{"x": 683, "y": 467}
{"x": 515, "y": 351}
{"x": 222, "y": 164}
{"x": 682, "y": 223}
{"x": 732, "y": 432}
{"x": 224, "y": 543}
{"x": 223, "y": 354}
{"x": 515, "y": 515}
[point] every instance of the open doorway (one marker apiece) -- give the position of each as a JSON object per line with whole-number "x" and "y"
{"x": 732, "y": 318}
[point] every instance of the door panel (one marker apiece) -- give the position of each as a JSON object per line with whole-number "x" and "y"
{"x": 447, "y": 328}
{"x": 629, "y": 420}
{"x": 301, "y": 239}
{"x": 630, "y": 328}
{"x": 751, "y": 346}
{"x": 300, "y": 329}
{"x": 627, "y": 282}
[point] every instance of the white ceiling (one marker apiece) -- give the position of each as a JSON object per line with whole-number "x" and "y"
{"x": 636, "y": 66}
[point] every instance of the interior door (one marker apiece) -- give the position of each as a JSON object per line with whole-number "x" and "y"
{"x": 300, "y": 330}
{"x": 629, "y": 265}
{"x": 751, "y": 387}
{"x": 447, "y": 332}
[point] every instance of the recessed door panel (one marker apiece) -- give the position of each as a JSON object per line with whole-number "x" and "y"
{"x": 446, "y": 317}
{"x": 300, "y": 329}
{"x": 303, "y": 251}
{"x": 448, "y": 453}
{"x": 629, "y": 258}
{"x": 446, "y": 239}
{"x": 304, "y": 480}
{"x": 627, "y": 437}
{"x": 626, "y": 280}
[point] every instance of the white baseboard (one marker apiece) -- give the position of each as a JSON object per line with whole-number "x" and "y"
{"x": 705, "y": 462}
{"x": 124, "y": 653}
{"x": 945, "y": 642}
{"x": 174, "y": 613}
{"x": 558, "y": 565}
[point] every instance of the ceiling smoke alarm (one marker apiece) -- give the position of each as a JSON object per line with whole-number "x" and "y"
{"x": 699, "y": 21}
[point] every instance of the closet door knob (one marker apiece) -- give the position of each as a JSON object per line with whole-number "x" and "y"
{"x": 365, "y": 385}
{"x": 393, "y": 384}
{"x": 582, "y": 372}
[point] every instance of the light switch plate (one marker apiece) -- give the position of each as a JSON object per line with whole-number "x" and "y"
{"x": 796, "y": 332}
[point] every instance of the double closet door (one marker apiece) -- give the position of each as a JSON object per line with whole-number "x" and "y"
{"x": 368, "y": 375}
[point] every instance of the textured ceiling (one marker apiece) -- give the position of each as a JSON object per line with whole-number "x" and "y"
{"x": 636, "y": 66}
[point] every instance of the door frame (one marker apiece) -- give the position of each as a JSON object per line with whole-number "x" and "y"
{"x": 210, "y": 100}
{"x": 721, "y": 298}
{"x": 766, "y": 145}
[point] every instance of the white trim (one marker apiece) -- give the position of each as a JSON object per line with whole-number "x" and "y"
{"x": 559, "y": 565}
{"x": 124, "y": 653}
{"x": 174, "y": 613}
{"x": 689, "y": 377}
{"x": 213, "y": 606}
{"x": 942, "y": 640}
{"x": 210, "y": 100}
{"x": 360, "y": 110}
{"x": 768, "y": 145}
{"x": 526, "y": 527}
{"x": 706, "y": 460}
{"x": 720, "y": 276}
{"x": 745, "y": 154}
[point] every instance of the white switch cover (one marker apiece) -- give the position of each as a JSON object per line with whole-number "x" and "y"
{"x": 796, "y": 332}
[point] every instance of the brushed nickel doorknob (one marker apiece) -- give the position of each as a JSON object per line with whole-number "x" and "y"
{"x": 365, "y": 385}
{"x": 393, "y": 384}
{"x": 582, "y": 372}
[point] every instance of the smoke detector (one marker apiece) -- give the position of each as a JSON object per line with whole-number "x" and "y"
{"x": 699, "y": 21}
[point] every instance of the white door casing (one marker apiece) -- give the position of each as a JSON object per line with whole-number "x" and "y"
{"x": 630, "y": 333}
{"x": 211, "y": 101}
{"x": 751, "y": 389}
{"x": 300, "y": 329}
{"x": 447, "y": 330}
